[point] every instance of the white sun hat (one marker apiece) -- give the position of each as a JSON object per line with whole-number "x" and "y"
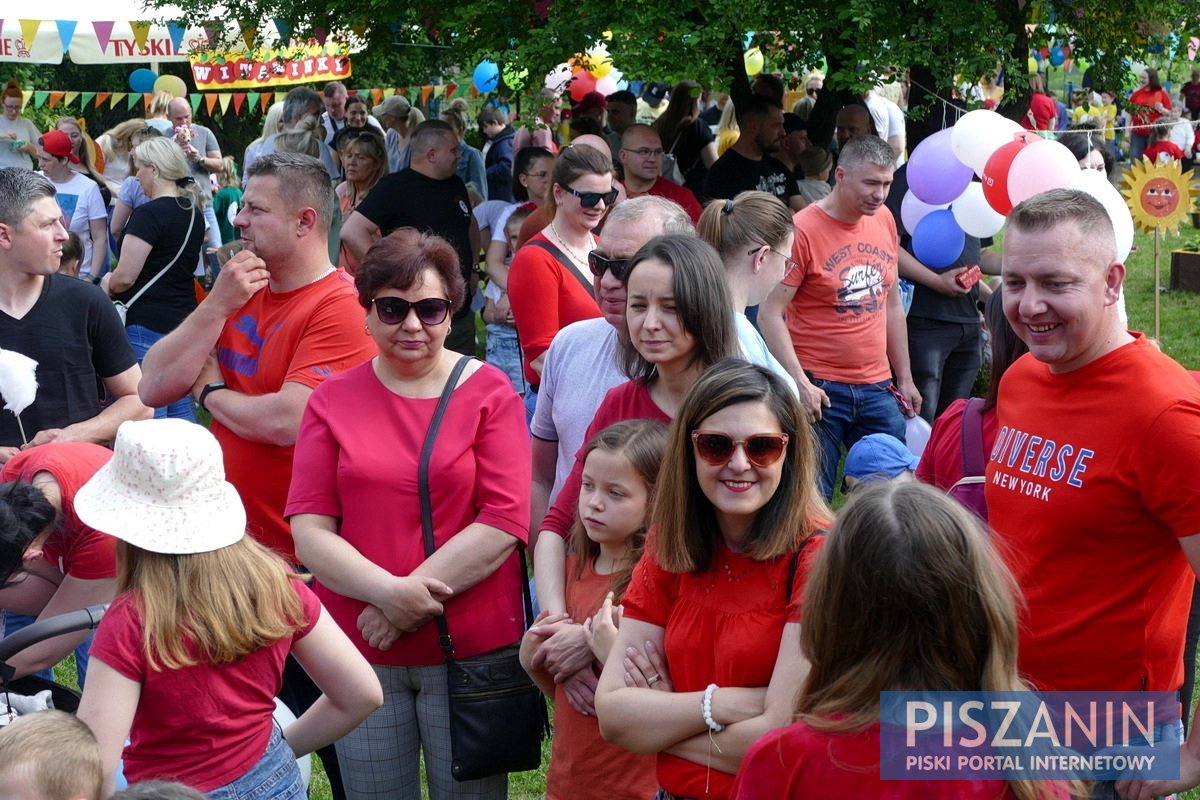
{"x": 164, "y": 490}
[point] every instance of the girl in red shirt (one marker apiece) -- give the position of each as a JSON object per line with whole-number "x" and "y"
{"x": 911, "y": 597}
{"x": 1147, "y": 103}
{"x": 705, "y": 658}
{"x": 620, "y": 467}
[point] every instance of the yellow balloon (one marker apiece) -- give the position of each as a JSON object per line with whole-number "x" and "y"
{"x": 754, "y": 61}
{"x": 1033, "y": 66}
{"x": 171, "y": 84}
{"x": 599, "y": 64}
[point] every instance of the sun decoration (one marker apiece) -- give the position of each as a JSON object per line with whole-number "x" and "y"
{"x": 1159, "y": 195}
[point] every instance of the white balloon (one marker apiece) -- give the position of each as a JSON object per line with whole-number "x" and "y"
{"x": 558, "y": 78}
{"x": 1096, "y": 183}
{"x": 974, "y": 214}
{"x": 980, "y": 133}
{"x": 913, "y": 209}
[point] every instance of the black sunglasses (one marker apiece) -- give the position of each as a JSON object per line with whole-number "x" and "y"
{"x": 599, "y": 264}
{"x": 591, "y": 199}
{"x": 394, "y": 310}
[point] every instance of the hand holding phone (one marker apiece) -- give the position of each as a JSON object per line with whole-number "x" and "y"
{"x": 969, "y": 277}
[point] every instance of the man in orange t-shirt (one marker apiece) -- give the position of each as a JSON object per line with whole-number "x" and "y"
{"x": 836, "y": 323}
{"x": 1091, "y": 483}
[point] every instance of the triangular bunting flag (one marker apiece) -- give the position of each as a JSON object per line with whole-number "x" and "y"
{"x": 176, "y": 30}
{"x": 285, "y": 30}
{"x": 376, "y": 96}
{"x": 98, "y": 97}
{"x": 29, "y": 29}
{"x": 388, "y": 92}
{"x": 249, "y": 30}
{"x": 147, "y": 99}
{"x": 56, "y": 98}
{"x": 39, "y": 99}
{"x": 252, "y": 98}
{"x": 224, "y": 97}
{"x": 66, "y": 31}
{"x": 212, "y": 30}
{"x": 141, "y": 31}
{"x": 210, "y": 100}
{"x": 264, "y": 102}
{"x": 474, "y": 92}
{"x": 238, "y": 99}
{"x": 116, "y": 97}
{"x": 70, "y": 98}
{"x": 103, "y": 31}
{"x": 132, "y": 100}
{"x": 195, "y": 99}
{"x": 28, "y": 93}
{"x": 462, "y": 90}
{"x": 425, "y": 92}
{"x": 451, "y": 88}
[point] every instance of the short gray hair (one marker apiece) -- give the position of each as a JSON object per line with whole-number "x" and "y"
{"x": 866, "y": 150}
{"x": 296, "y": 104}
{"x": 19, "y": 190}
{"x": 303, "y": 180}
{"x": 667, "y": 215}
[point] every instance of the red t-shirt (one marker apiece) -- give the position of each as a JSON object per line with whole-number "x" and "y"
{"x": 74, "y": 549}
{"x": 582, "y": 765}
{"x": 1146, "y": 98}
{"x": 941, "y": 463}
{"x": 629, "y": 400}
{"x": 1171, "y": 149}
{"x": 356, "y": 460}
{"x": 722, "y": 625}
{"x": 798, "y": 762}
{"x": 1043, "y": 109}
{"x": 546, "y": 296}
{"x": 202, "y": 725}
{"x": 302, "y": 336}
{"x": 1090, "y": 482}
{"x": 838, "y": 318}
{"x": 674, "y": 192}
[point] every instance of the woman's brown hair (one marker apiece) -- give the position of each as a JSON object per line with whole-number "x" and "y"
{"x": 686, "y": 532}
{"x": 13, "y": 89}
{"x": 678, "y": 115}
{"x": 641, "y": 442}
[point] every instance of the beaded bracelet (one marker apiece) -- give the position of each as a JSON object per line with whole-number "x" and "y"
{"x": 706, "y": 709}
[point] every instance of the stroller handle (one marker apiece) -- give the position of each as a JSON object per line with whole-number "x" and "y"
{"x": 81, "y": 620}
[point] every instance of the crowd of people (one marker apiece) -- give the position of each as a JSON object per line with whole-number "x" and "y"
{"x": 690, "y": 337}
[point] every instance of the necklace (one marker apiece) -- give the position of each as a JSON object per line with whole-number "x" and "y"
{"x": 570, "y": 251}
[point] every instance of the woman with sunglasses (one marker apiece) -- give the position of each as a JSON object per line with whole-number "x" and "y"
{"x": 753, "y": 232}
{"x": 355, "y": 514}
{"x": 363, "y": 156}
{"x": 548, "y": 282}
{"x": 706, "y": 658}
{"x": 678, "y": 323}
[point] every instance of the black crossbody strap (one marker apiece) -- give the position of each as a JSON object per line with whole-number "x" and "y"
{"x": 562, "y": 259}
{"x": 444, "y": 640}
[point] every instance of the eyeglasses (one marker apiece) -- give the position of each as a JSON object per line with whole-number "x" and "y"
{"x": 599, "y": 264}
{"x": 789, "y": 263}
{"x": 645, "y": 152}
{"x": 12, "y": 107}
{"x": 592, "y": 199}
{"x": 394, "y": 310}
{"x": 539, "y": 175}
{"x": 762, "y": 449}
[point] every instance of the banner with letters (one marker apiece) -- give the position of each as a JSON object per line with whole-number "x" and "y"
{"x": 310, "y": 63}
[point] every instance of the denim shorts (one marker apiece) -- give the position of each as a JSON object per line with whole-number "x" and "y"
{"x": 275, "y": 776}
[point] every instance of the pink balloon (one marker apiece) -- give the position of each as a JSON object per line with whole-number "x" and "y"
{"x": 606, "y": 85}
{"x": 1041, "y": 166}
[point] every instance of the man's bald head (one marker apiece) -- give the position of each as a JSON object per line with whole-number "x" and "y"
{"x": 853, "y": 120}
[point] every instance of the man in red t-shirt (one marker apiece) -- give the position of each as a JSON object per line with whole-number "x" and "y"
{"x": 1091, "y": 483}
{"x": 641, "y": 159}
{"x": 836, "y": 322}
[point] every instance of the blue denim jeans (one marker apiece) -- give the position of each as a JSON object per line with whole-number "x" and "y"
{"x": 274, "y": 777}
{"x": 142, "y": 340}
{"x": 855, "y": 409}
{"x": 504, "y": 353}
{"x": 10, "y": 623}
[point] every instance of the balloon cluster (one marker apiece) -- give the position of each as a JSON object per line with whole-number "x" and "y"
{"x": 147, "y": 81}
{"x": 592, "y": 71}
{"x": 944, "y": 203}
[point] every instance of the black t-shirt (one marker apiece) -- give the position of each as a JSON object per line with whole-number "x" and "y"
{"x": 75, "y": 335}
{"x": 163, "y": 224}
{"x": 687, "y": 146}
{"x": 928, "y": 303}
{"x": 409, "y": 199}
{"x": 734, "y": 173}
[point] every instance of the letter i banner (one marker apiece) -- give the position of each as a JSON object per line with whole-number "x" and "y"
{"x": 1029, "y": 735}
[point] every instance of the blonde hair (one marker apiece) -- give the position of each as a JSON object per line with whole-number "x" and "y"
{"x": 228, "y": 176}
{"x": 271, "y": 121}
{"x": 165, "y": 156}
{"x": 304, "y": 137}
{"x": 86, "y": 149}
{"x": 209, "y": 608}
{"x": 56, "y": 752}
{"x": 751, "y": 218}
{"x": 160, "y": 105}
{"x": 910, "y": 596}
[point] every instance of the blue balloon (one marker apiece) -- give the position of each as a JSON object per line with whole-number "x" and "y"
{"x": 142, "y": 80}
{"x": 486, "y": 77}
{"x": 938, "y": 241}
{"x": 1057, "y": 57}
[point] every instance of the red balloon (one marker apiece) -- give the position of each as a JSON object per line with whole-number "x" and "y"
{"x": 582, "y": 82}
{"x": 995, "y": 176}
{"x": 1045, "y": 51}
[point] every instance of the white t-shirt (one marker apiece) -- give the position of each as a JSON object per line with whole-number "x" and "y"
{"x": 26, "y": 132}
{"x": 580, "y": 367}
{"x": 754, "y": 349}
{"x": 80, "y": 201}
{"x": 493, "y": 215}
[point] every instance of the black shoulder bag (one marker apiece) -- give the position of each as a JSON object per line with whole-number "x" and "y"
{"x": 497, "y": 715}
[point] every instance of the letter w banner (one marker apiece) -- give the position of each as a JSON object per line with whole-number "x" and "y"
{"x": 1029, "y": 735}
{"x": 290, "y": 65}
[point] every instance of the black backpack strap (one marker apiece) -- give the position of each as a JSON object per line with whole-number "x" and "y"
{"x": 972, "y": 438}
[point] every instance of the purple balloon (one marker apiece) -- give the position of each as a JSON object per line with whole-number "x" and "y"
{"x": 938, "y": 241}
{"x": 935, "y": 175}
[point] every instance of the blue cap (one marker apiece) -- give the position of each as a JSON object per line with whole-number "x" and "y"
{"x": 878, "y": 456}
